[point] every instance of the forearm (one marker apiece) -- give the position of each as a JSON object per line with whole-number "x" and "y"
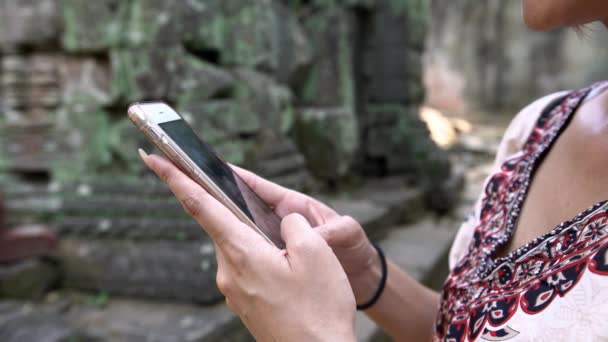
{"x": 406, "y": 310}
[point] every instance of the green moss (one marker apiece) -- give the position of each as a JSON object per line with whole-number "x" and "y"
{"x": 94, "y": 25}
{"x": 345, "y": 58}
{"x": 88, "y": 137}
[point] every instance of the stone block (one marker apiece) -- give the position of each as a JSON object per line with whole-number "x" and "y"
{"x": 146, "y": 269}
{"x": 278, "y": 159}
{"x": 27, "y": 279}
{"x": 220, "y": 120}
{"x": 405, "y": 146}
{"x": 167, "y": 73}
{"x": 195, "y": 80}
{"x": 27, "y": 147}
{"x": 328, "y": 138}
{"x": 258, "y": 34}
{"x": 84, "y": 79}
{"x": 30, "y": 87}
{"x": 123, "y": 141}
{"x": 272, "y": 101}
{"x": 24, "y": 322}
{"x": 155, "y": 22}
{"x": 82, "y": 133}
{"x": 292, "y": 51}
{"x": 393, "y": 61}
{"x": 94, "y": 26}
{"x": 137, "y": 320}
{"x": 28, "y": 23}
{"x": 330, "y": 80}
{"x": 394, "y": 89}
{"x": 399, "y": 22}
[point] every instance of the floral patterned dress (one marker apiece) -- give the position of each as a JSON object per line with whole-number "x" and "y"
{"x": 554, "y": 288}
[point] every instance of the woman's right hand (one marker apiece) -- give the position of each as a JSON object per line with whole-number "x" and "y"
{"x": 343, "y": 234}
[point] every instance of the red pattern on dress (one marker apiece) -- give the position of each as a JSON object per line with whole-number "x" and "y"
{"x": 482, "y": 293}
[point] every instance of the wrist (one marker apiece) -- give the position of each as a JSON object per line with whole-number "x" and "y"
{"x": 365, "y": 282}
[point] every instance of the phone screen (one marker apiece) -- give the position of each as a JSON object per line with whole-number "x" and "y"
{"x": 208, "y": 160}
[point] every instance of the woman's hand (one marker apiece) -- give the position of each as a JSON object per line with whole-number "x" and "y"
{"x": 343, "y": 234}
{"x": 297, "y": 294}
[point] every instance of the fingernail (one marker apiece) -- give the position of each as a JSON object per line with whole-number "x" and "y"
{"x": 142, "y": 154}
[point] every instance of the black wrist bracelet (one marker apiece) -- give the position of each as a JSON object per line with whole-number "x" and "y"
{"x": 380, "y": 289}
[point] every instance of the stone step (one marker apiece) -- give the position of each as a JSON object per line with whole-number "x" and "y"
{"x": 29, "y": 322}
{"x": 180, "y": 271}
{"x": 379, "y": 205}
{"x": 27, "y": 279}
{"x": 67, "y": 315}
{"x": 281, "y": 166}
{"x": 147, "y": 227}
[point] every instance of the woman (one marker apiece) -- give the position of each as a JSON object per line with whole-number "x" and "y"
{"x": 521, "y": 271}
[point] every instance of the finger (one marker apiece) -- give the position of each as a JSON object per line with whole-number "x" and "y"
{"x": 219, "y": 222}
{"x": 339, "y": 232}
{"x": 268, "y": 191}
{"x": 301, "y": 240}
{"x": 286, "y": 201}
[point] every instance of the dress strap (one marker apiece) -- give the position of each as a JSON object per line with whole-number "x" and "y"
{"x": 597, "y": 89}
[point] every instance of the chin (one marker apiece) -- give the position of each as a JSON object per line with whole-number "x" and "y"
{"x": 538, "y": 17}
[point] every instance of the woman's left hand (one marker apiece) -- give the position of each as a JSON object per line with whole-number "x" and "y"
{"x": 297, "y": 294}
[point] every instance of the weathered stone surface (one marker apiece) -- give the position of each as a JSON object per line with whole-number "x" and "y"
{"x": 272, "y": 101}
{"x": 28, "y": 23}
{"x": 167, "y": 73}
{"x": 277, "y": 158}
{"x": 328, "y": 138}
{"x": 379, "y": 204}
{"x": 221, "y": 120}
{"x": 26, "y": 204}
{"x": 400, "y": 22}
{"x": 330, "y": 81}
{"x": 27, "y": 279}
{"x": 292, "y": 50}
{"x": 27, "y": 147}
{"x": 85, "y": 79}
{"x": 405, "y": 146}
{"x": 197, "y": 81}
{"x": 154, "y": 22}
{"x": 82, "y": 132}
{"x": 73, "y": 316}
{"x": 131, "y": 320}
{"x": 30, "y": 87}
{"x": 146, "y": 269}
{"x": 443, "y": 196}
{"x": 25, "y": 322}
{"x": 124, "y": 139}
{"x": 94, "y": 26}
{"x": 100, "y": 208}
{"x": 260, "y": 34}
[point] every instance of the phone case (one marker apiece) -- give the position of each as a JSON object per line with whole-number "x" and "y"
{"x": 183, "y": 162}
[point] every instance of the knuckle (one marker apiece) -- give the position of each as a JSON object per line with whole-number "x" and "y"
{"x": 223, "y": 283}
{"x": 165, "y": 175}
{"x": 192, "y": 205}
{"x": 349, "y": 221}
{"x": 330, "y": 235}
{"x": 304, "y": 246}
{"x": 238, "y": 257}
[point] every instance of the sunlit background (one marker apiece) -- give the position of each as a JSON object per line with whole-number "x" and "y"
{"x": 388, "y": 110}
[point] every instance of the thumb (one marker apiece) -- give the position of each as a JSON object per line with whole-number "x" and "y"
{"x": 300, "y": 239}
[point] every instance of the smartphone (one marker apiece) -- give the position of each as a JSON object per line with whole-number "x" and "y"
{"x": 182, "y": 145}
